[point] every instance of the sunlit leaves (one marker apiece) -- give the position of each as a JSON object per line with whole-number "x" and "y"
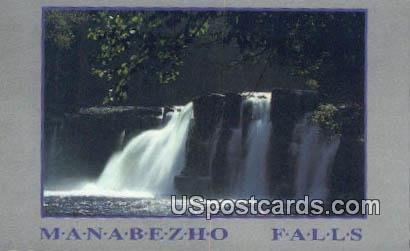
{"x": 326, "y": 116}
{"x": 147, "y": 43}
{"x": 60, "y": 25}
{"x": 315, "y": 47}
{"x": 312, "y": 84}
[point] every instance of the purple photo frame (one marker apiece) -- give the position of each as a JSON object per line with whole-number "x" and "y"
{"x": 84, "y": 8}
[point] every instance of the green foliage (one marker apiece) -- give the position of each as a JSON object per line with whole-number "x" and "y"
{"x": 60, "y": 26}
{"x": 326, "y": 117}
{"x": 151, "y": 44}
{"x": 66, "y": 51}
{"x": 312, "y": 84}
{"x": 324, "y": 49}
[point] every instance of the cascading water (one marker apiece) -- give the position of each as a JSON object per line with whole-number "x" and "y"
{"x": 150, "y": 161}
{"x": 54, "y": 149}
{"x": 147, "y": 165}
{"x": 253, "y": 178}
{"x": 121, "y": 140}
{"x": 234, "y": 155}
{"x": 314, "y": 155}
{"x": 213, "y": 141}
{"x": 240, "y": 156}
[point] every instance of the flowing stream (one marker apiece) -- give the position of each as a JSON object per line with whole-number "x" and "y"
{"x": 253, "y": 178}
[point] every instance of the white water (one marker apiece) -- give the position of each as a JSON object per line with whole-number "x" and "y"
{"x": 314, "y": 155}
{"x": 91, "y": 189}
{"x": 234, "y": 158}
{"x": 146, "y": 166}
{"x": 150, "y": 161}
{"x": 54, "y": 146}
{"x": 213, "y": 141}
{"x": 253, "y": 179}
{"x": 121, "y": 140}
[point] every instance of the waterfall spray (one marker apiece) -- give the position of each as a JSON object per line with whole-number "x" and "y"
{"x": 253, "y": 179}
{"x": 146, "y": 166}
{"x": 314, "y": 155}
{"x": 149, "y": 162}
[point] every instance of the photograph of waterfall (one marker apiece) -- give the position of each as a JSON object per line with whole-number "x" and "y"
{"x": 140, "y": 104}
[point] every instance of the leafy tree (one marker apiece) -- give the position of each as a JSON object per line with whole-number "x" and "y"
{"x": 61, "y": 26}
{"x": 152, "y": 44}
{"x": 326, "y": 49}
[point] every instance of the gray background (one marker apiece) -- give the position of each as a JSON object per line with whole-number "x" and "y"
{"x": 388, "y": 140}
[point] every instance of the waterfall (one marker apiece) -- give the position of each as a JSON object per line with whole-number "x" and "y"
{"x": 121, "y": 140}
{"x": 213, "y": 141}
{"x": 54, "y": 149}
{"x": 53, "y": 145}
{"x": 234, "y": 157}
{"x": 147, "y": 165}
{"x": 314, "y": 154}
{"x": 253, "y": 179}
{"x": 149, "y": 162}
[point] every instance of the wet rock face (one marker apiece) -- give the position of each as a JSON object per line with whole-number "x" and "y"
{"x": 232, "y": 110}
{"x": 112, "y": 121}
{"x": 216, "y": 115}
{"x": 202, "y": 138}
{"x": 81, "y": 143}
{"x": 348, "y": 172}
{"x": 287, "y": 106}
{"x": 221, "y": 175}
{"x": 208, "y": 110}
{"x": 86, "y": 140}
{"x": 347, "y": 175}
